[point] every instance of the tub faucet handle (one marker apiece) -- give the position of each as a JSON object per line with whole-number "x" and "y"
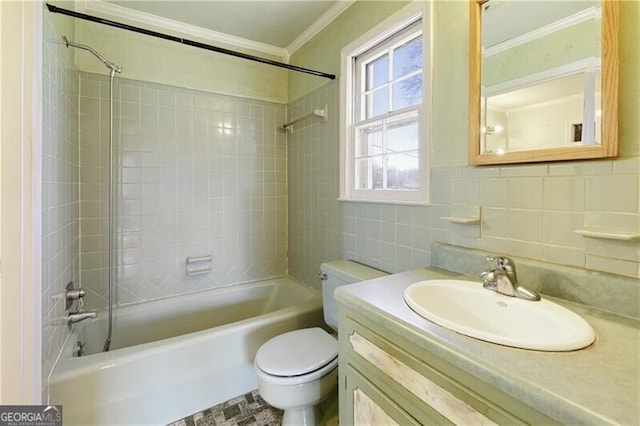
{"x": 80, "y": 315}
{"x": 72, "y": 294}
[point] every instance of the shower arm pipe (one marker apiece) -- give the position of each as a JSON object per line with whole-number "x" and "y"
{"x": 113, "y": 67}
{"x": 105, "y": 61}
{"x": 56, "y": 9}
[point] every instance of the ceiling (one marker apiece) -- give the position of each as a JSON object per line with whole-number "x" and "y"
{"x": 276, "y": 23}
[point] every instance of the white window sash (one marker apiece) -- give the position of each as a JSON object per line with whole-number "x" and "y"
{"x": 363, "y": 48}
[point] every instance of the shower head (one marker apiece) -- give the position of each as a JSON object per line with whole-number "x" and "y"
{"x": 113, "y": 67}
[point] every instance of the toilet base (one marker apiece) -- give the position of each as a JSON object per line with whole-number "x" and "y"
{"x": 325, "y": 413}
{"x": 301, "y": 416}
{"x": 305, "y": 404}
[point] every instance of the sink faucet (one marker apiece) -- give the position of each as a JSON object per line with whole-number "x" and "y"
{"x": 504, "y": 280}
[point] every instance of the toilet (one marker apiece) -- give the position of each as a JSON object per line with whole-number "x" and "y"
{"x": 298, "y": 370}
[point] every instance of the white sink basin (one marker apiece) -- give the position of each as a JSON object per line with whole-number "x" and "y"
{"x": 470, "y": 309}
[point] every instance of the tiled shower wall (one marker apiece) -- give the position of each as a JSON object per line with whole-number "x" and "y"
{"x": 60, "y": 224}
{"x": 529, "y": 211}
{"x": 198, "y": 174}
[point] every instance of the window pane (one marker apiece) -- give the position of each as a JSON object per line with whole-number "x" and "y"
{"x": 403, "y": 136}
{"x": 407, "y": 92}
{"x": 385, "y": 129}
{"x": 377, "y": 72}
{"x": 362, "y": 173}
{"x": 377, "y": 173}
{"x": 403, "y": 171}
{"x": 369, "y": 141}
{"x": 377, "y": 103}
{"x": 369, "y": 173}
{"x": 407, "y": 58}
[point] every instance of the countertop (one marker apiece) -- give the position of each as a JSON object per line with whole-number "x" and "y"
{"x": 596, "y": 385}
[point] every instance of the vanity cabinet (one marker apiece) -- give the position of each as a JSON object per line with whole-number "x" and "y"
{"x": 385, "y": 379}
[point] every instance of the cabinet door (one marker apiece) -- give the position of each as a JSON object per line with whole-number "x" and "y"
{"x": 406, "y": 374}
{"x": 424, "y": 386}
{"x": 436, "y": 398}
{"x": 362, "y": 403}
{"x": 367, "y": 412}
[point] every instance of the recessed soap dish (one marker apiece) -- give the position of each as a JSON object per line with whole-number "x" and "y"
{"x": 605, "y": 234}
{"x": 467, "y": 220}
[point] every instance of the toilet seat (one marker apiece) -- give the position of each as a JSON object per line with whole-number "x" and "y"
{"x": 298, "y": 356}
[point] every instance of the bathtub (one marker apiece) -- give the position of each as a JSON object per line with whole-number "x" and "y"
{"x": 174, "y": 357}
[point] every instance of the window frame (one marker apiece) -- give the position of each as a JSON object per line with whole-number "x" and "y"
{"x": 365, "y": 49}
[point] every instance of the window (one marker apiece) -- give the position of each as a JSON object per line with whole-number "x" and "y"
{"x": 384, "y": 133}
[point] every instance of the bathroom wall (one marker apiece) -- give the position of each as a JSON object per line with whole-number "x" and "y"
{"x": 553, "y": 52}
{"x": 527, "y": 210}
{"x": 154, "y": 60}
{"x": 60, "y": 203}
{"x": 524, "y": 130}
{"x": 203, "y": 170}
{"x": 322, "y": 52}
{"x": 391, "y": 237}
{"x": 199, "y": 174}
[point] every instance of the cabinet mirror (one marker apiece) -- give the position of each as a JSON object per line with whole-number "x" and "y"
{"x": 543, "y": 80}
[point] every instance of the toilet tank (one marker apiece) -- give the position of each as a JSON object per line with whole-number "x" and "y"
{"x": 337, "y": 273}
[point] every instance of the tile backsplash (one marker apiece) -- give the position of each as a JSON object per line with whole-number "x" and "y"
{"x": 607, "y": 292}
{"x": 198, "y": 174}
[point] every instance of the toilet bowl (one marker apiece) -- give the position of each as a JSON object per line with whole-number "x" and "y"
{"x": 298, "y": 370}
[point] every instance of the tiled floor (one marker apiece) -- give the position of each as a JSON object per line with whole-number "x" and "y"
{"x": 245, "y": 410}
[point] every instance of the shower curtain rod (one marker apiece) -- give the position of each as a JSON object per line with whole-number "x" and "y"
{"x": 56, "y": 9}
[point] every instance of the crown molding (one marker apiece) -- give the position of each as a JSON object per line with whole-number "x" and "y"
{"x": 319, "y": 25}
{"x": 113, "y": 10}
{"x": 545, "y": 30}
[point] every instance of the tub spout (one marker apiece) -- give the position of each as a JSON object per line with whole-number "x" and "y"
{"x": 80, "y": 316}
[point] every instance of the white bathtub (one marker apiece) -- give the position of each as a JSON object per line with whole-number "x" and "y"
{"x": 174, "y": 357}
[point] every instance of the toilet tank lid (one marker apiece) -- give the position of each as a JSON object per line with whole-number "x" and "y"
{"x": 350, "y": 271}
{"x": 297, "y": 352}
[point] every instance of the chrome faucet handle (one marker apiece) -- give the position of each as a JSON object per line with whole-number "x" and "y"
{"x": 505, "y": 281}
{"x": 506, "y": 264}
{"x": 500, "y": 260}
{"x": 489, "y": 280}
{"x": 72, "y": 294}
{"x": 498, "y": 280}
